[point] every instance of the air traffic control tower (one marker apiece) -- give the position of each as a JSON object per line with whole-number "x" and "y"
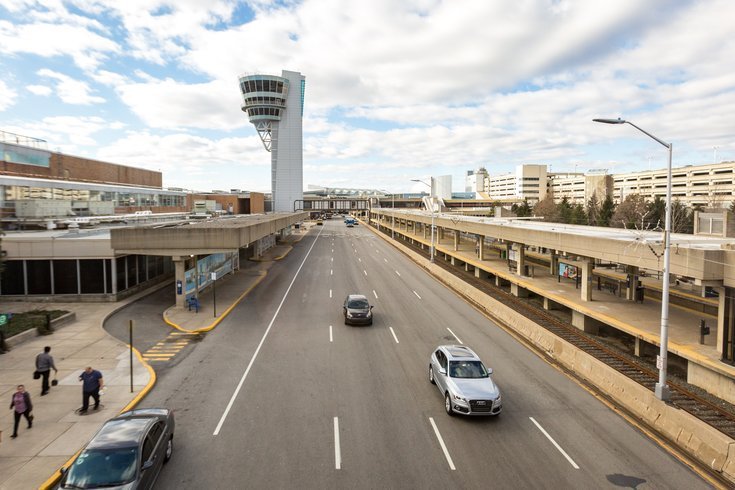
{"x": 275, "y": 106}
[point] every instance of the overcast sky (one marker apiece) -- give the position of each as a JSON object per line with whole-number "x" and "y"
{"x": 395, "y": 89}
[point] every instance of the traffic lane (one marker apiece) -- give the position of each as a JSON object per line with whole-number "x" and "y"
{"x": 574, "y": 415}
{"x": 147, "y": 316}
{"x": 200, "y": 388}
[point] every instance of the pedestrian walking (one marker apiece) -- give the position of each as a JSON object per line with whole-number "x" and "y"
{"x": 21, "y": 405}
{"x": 44, "y": 365}
{"x": 92, "y": 383}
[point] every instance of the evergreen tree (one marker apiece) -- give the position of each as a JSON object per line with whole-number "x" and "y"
{"x": 593, "y": 210}
{"x": 579, "y": 216}
{"x": 607, "y": 210}
{"x": 565, "y": 211}
{"x": 656, "y": 213}
{"x": 522, "y": 210}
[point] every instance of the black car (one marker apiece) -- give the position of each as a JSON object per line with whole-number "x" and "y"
{"x": 128, "y": 452}
{"x": 357, "y": 310}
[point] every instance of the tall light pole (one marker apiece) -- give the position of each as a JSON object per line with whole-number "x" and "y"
{"x": 662, "y": 389}
{"x": 431, "y": 196}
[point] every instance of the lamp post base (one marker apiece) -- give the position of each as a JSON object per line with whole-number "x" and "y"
{"x": 663, "y": 392}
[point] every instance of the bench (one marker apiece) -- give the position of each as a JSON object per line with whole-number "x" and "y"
{"x": 193, "y": 302}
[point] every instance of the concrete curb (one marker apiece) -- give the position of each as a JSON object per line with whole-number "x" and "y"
{"x": 695, "y": 438}
{"x": 221, "y": 317}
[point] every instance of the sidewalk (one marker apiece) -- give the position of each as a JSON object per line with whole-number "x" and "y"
{"x": 58, "y": 433}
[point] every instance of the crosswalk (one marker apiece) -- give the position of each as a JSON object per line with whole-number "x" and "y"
{"x": 168, "y": 348}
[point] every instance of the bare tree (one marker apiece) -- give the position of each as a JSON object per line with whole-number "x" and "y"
{"x": 548, "y": 209}
{"x": 631, "y": 213}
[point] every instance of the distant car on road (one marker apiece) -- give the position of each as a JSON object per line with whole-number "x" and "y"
{"x": 464, "y": 381}
{"x": 128, "y": 452}
{"x": 357, "y": 310}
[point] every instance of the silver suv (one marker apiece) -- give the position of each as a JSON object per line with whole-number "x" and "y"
{"x": 464, "y": 381}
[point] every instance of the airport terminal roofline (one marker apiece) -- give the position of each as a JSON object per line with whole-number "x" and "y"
{"x": 701, "y": 257}
{"x": 82, "y": 185}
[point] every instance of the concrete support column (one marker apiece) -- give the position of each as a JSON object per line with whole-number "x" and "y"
{"x": 477, "y": 272}
{"x": 549, "y": 304}
{"x": 180, "y": 275}
{"x": 633, "y": 276}
{"x": 520, "y": 259}
{"x": 481, "y": 247}
{"x": 586, "y": 267}
{"x": 584, "y": 323}
{"x": 723, "y": 317}
{"x": 518, "y": 291}
{"x": 498, "y": 281}
{"x": 456, "y": 234}
{"x": 553, "y": 263}
{"x": 440, "y": 233}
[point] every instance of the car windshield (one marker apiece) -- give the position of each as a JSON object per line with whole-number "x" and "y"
{"x": 467, "y": 369}
{"x": 358, "y": 304}
{"x": 102, "y": 467}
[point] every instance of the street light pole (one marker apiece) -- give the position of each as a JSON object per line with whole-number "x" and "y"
{"x": 661, "y": 390}
{"x": 431, "y": 197}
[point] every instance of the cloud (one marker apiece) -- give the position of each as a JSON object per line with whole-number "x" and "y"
{"x": 194, "y": 162}
{"x": 69, "y": 90}
{"x": 171, "y": 104}
{"x": 42, "y": 90}
{"x": 7, "y": 96}
{"x": 86, "y": 48}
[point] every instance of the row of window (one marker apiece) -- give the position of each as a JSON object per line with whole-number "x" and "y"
{"x": 247, "y": 86}
{"x": 264, "y": 111}
{"x": 24, "y": 193}
{"x": 276, "y": 101}
{"x": 80, "y": 276}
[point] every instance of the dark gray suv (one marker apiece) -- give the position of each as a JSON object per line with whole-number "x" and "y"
{"x": 126, "y": 453}
{"x": 464, "y": 381}
{"x": 357, "y": 310}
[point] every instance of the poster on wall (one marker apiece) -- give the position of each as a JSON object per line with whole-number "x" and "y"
{"x": 567, "y": 271}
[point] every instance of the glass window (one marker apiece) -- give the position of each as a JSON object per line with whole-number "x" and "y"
{"x": 92, "y": 276}
{"x": 467, "y": 369}
{"x": 142, "y": 268}
{"x": 39, "y": 276}
{"x": 11, "y": 280}
{"x": 120, "y": 269}
{"x": 132, "y": 269}
{"x": 96, "y": 468}
{"x": 65, "y": 277}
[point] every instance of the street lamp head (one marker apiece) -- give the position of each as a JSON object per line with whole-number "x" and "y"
{"x": 610, "y": 121}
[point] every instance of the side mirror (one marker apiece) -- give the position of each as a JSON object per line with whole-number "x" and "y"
{"x": 63, "y": 471}
{"x": 371, "y": 307}
{"x": 489, "y": 371}
{"x": 148, "y": 464}
{"x": 442, "y": 371}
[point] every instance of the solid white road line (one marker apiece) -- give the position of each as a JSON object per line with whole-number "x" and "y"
{"x": 571, "y": 461}
{"x": 417, "y": 295}
{"x": 399, "y": 274}
{"x": 375, "y": 294}
{"x": 394, "y": 335}
{"x": 337, "y": 451}
{"x": 262, "y": 341}
{"x": 441, "y": 443}
{"x": 455, "y": 335}
{"x": 330, "y": 293}
{"x": 331, "y": 339}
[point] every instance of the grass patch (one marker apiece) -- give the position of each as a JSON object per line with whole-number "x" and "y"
{"x": 20, "y": 322}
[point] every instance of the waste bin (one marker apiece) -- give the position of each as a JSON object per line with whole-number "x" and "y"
{"x": 639, "y": 294}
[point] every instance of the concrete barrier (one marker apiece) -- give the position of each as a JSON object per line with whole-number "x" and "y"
{"x": 700, "y": 441}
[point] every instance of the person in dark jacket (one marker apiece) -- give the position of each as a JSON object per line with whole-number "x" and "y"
{"x": 44, "y": 365}
{"x": 21, "y": 405}
{"x": 92, "y": 383}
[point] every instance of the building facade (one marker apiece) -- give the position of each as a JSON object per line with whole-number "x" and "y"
{"x": 528, "y": 182}
{"x": 275, "y": 106}
{"x": 442, "y": 186}
{"x": 578, "y": 188}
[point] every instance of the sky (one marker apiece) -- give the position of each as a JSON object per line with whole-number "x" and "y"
{"x": 395, "y": 89}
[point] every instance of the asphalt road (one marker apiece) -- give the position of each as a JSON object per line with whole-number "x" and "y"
{"x": 282, "y": 394}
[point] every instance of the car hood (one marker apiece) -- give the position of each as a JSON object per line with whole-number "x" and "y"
{"x": 354, "y": 311}
{"x": 476, "y": 388}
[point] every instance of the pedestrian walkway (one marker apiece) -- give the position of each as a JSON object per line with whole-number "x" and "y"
{"x": 58, "y": 432}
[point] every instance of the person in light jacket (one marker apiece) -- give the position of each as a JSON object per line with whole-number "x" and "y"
{"x": 21, "y": 405}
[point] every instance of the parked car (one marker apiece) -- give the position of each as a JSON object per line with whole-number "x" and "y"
{"x": 464, "y": 381}
{"x": 357, "y": 310}
{"x": 128, "y": 452}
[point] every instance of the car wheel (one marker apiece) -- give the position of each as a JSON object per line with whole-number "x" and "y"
{"x": 371, "y": 322}
{"x": 431, "y": 375}
{"x": 448, "y": 404}
{"x": 169, "y": 449}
